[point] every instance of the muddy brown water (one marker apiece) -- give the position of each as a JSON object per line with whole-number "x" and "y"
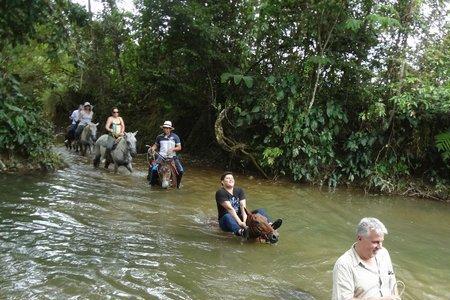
{"x": 82, "y": 233}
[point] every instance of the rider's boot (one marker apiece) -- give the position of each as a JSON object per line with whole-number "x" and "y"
{"x": 149, "y": 174}
{"x": 179, "y": 180}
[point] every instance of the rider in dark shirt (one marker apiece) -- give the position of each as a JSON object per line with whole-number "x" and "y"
{"x": 230, "y": 202}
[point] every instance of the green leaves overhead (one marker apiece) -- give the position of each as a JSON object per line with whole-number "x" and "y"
{"x": 325, "y": 91}
{"x": 443, "y": 144}
{"x": 237, "y": 79}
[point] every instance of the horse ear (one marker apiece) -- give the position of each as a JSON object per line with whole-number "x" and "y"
{"x": 96, "y": 124}
{"x": 134, "y": 133}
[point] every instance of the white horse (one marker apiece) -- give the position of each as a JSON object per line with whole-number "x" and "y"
{"x": 87, "y": 138}
{"x": 122, "y": 155}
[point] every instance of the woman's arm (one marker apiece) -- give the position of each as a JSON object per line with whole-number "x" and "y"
{"x": 122, "y": 123}
{"x": 108, "y": 124}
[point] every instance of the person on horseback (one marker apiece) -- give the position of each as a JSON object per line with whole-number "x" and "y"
{"x": 231, "y": 205}
{"x": 85, "y": 117}
{"x": 166, "y": 145}
{"x": 116, "y": 128}
{"x": 75, "y": 117}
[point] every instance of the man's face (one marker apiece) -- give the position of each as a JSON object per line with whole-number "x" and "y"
{"x": 166, "y": 130}
{"x": 228, "y": 181}
{"x": 370, "y": 245}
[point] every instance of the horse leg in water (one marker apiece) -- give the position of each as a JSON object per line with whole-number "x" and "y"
{"x": 107, "y": 162}
{"x": 98, "y": 155}
{"x": 129, "y": 167}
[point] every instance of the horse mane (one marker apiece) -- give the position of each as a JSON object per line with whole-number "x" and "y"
{"x": 122, "y": 152}
{"x": 85, "y": 133}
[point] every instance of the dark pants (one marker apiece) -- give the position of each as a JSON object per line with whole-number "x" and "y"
{"x": 71, "y": 132}
{"x": 110, "y": 142}
{"x": 79, "y": 130}
{"x": 228, "y": 223}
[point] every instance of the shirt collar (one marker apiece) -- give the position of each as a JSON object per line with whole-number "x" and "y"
{"x": 356, "y": 259}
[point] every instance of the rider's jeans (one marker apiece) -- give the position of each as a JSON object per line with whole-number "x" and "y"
{"x": 229, "y": 224}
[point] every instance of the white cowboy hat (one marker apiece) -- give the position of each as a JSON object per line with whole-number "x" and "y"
{"x": 167, "y": 124}
{"x": 87, "y": 104}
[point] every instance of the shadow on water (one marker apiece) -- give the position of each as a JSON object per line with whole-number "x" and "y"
{"x": 92, "y": 234}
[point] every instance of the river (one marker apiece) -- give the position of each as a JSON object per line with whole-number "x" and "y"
{"x": 81, "y": 233}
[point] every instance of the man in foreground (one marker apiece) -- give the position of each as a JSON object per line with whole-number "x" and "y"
{"x": 365, "y": 271}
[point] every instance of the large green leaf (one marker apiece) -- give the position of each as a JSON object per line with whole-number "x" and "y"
{"x": 443, "y": 144}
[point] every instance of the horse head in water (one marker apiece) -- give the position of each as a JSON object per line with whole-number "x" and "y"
{"x": 167, "y": 173}
{"x": 259, "y": 228}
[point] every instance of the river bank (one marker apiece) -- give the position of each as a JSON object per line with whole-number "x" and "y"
{"x": 410, "y": 187}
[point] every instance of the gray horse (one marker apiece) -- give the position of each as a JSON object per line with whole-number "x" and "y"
{"x": 87, "y": 138}
{"x": 122, "y": 153}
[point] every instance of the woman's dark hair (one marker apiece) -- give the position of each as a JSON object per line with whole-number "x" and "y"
{"x": 225, "y": 174}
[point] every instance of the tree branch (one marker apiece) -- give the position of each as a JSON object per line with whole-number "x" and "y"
{"x": 230, "y": 145}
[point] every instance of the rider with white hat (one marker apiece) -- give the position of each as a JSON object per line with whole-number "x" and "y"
{"x": 167, "y": 144}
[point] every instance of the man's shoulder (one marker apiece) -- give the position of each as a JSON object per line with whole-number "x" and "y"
{"x": 238, "y": 190}
{"x": 221, "y": 191}
{"x": 174, "y": 136}
{"x": 383, "y": 253}
{"x": 221, "y": 194}
{"x": 345, "y": 259}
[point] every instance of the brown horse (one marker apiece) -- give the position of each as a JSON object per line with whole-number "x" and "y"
{"x": 260, "y": 229}
{"x": 167, "y": 174}
{"x": 166, "y": 170}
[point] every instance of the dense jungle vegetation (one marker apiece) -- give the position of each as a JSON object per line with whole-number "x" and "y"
{"x": 328, "y": 92}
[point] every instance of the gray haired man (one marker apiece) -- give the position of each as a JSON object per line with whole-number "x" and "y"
{"x": 365, "y": 271}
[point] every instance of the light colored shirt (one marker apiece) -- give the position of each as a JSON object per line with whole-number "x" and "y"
{"x": 165, "y": 143}
{"x": 74, "y": 116}
{"x": 85, "y": 117}
{"x": 350, "y": 272}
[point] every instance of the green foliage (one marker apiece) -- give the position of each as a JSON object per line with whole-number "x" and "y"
{"x": 327, "y": 92}
{"x": 33, "y": 38}
{"x": 270, "y": 155}
{"x": 23, "y": 130}
{"x": 443, "y": 144}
